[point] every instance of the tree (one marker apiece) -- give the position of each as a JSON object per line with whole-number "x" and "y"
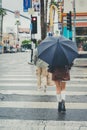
{"x": 2, "y": 14}
{"x": 85, "y": 46}
{"x": 43, "y": 18}
{"x": 26, "y": 44}
{"x": 17, "y": 23}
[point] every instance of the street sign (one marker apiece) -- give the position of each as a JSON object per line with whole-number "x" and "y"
{"x": 36, "y": 5}
{"x": 60, "y": 26}
{"x": 26, "y": 4}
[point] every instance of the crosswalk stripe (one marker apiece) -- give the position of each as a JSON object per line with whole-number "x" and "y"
{"x": 34, "y": 78}
{"x": 17, "y": 75}
{"x": 18, "y": 84}
{"x": 34, "y": 92}
{"x": 41, "y": 124}
{"x": 76, "y": 85}
{"x": 49, "y": 105}
{"x": 27, "y": 77}
{"x": 35, "y": 84}
{"x": 16, "y": 79}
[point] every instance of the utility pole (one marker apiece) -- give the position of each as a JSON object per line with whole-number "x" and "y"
{"x": 74, "y": 21}
{"x": 0, "y": 22}
{"x": 43, "y": 26}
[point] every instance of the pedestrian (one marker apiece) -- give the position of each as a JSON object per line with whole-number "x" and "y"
{"x": 31, "y": 55}
{"x": 60, "y": 75}
{"x": 59, "y": 52}
{"x": 41, "y": 71}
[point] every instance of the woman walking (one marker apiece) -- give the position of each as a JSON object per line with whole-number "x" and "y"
{"x": 59, "y": 52}
{"x": 60, "y": 75}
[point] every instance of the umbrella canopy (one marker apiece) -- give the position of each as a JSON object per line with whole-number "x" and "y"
{"x": 57, "y": 51}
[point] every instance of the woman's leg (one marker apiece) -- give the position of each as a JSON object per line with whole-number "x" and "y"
{"x": 63, "y": 94}
{"x": 60, "y": 90}
{"x": 58, "y": 94}
{"x": 63, "y": 90}
{"x": 63, "y": 86}
{"x": 38, "y": 73}
{"x": 44, "y": 78}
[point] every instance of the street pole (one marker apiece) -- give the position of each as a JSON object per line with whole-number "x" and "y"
{"x": 0, "y": 23}
{"x": 74, "y": 22}
{"x": 31, "y": 26}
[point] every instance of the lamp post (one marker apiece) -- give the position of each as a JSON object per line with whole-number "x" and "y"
{"x": 17, "y": 23}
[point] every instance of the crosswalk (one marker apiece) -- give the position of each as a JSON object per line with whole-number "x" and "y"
{"x": 22, "y": 107}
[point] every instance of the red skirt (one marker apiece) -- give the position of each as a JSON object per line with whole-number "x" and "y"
{"x": 61, "y": 74}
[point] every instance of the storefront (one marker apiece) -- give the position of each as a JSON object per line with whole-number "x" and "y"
{"x": 80, "y": 28}
{"x": 81, "y": 33}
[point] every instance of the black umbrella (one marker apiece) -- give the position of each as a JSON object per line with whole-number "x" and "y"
{"x": 57, "y": 51}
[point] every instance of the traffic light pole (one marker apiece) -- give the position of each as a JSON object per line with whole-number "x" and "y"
{"x": 69, "y": 25}
{"x": 31, "y": 27}
{"x": 31, "y": 40}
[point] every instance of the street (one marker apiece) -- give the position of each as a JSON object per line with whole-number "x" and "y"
{"x": 22, "y": 107}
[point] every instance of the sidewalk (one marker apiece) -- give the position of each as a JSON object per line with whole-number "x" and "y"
{"x": 80, "y": 62}
{"x": 82, "y": 54}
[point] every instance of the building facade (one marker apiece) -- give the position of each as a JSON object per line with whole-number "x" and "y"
{"x": 79, "y": 9}
{"x": 78, "y": 19}
{"x": 68, "y": 5}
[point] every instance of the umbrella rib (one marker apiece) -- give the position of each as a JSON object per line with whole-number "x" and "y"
{"x": 46, "y": 49}
{"x": 66, "y": 56}
{"x": 63, "y": 53}
{"x": 70, "y": 48}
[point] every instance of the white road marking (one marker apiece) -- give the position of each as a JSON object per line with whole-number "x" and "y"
{"x": 35, "y": 92}
{"x": 40, "y": 125}
{"x": 49, "y": 105}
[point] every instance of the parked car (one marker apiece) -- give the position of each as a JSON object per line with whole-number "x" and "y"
{"x": 27, "y": 50}
{"x": 13, "y": 50}
{"x": 22, "y": 49}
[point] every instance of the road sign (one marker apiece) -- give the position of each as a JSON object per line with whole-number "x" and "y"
{"x": 26, "y": 4}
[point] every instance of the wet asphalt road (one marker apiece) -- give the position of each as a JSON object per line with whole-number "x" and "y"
{"x": 17, "y": 74}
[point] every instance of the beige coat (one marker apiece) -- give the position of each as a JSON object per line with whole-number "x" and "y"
{"x": 38, "y": 62}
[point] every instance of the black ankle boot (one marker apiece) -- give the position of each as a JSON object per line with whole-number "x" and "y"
{"x": 63, "y": 109}
{"x": 59, "y": 106}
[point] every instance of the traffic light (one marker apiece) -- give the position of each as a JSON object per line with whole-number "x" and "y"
{"x": 69, "y": 21}
{"x": 34, "y": 24}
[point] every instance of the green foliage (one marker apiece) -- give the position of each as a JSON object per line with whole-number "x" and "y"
{"x": 17, "y": 22}
{"x": 54, "y": 3}
{"x": 85, "y": 46}
{"x": 26, "y": 44}
{"x": 2, "y": 12}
